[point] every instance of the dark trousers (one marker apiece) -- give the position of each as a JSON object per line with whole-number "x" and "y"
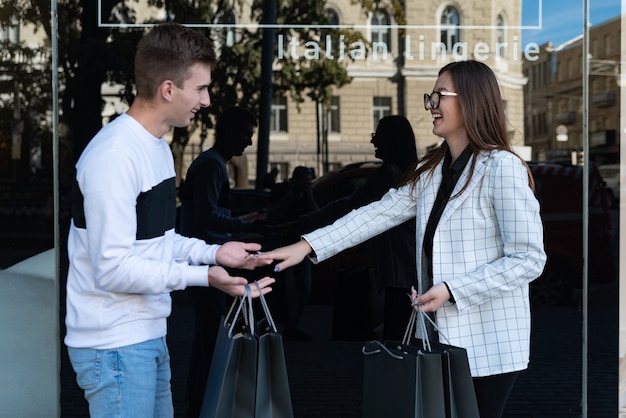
{"x": 492, "y": 393}
{"x": 209, "y": 305}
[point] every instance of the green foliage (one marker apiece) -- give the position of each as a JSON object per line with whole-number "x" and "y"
{"x": 394, "y": 8}
{"x": 237, "y": 77}
{"x": 89, "y": 55}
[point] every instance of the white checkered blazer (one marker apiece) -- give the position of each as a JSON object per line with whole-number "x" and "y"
{"x": 488, "y": 247}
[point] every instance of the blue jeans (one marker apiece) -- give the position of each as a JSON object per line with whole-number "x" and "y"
{"x": 131, "y": 381}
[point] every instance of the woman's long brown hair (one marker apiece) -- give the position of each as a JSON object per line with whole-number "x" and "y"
{"x": 483, "y": 113}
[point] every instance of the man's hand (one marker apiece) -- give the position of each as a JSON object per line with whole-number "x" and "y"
{"x": 240, "y": 255}
{"x": 234, "y": 285}
{"x": 290, "y": 255}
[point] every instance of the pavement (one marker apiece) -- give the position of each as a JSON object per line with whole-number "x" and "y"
{"x": 325, "y": 374}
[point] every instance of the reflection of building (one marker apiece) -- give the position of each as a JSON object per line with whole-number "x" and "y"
{"x": 389, "y": 74}
{"x": 553, "y": 97}
{"x": 397, "y": 72}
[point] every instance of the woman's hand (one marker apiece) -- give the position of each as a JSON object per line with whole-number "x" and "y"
{"x": 290, "y": 255}
{"x": 432, "y": 299}
{"x": 242, "y": 255}
{"x": 235, "y": 285}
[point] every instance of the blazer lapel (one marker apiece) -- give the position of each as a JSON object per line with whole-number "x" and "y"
{"x": 479, "y": 172}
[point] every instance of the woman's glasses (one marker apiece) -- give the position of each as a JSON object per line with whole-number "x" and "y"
{"x": 434, "y": 98}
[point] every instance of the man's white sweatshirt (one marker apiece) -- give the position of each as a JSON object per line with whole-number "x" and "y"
{"x": 125, "y": 257}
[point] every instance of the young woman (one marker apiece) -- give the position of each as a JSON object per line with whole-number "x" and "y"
{"x": 479, "y": 233}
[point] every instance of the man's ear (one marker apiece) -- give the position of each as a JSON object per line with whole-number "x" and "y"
{"x": 166, "y": 90}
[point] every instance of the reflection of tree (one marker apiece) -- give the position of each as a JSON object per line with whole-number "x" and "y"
{"x": 90, "y": 55}
{"x": 25, "y": 82}
{"x": 179, "y": 140}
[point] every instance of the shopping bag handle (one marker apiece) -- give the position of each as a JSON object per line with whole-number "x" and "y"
{"x": 418, "y": 318}
{"x": 242, "y": 305}
{"x": 381, "y": 348}
{"x": 266, "y": 309}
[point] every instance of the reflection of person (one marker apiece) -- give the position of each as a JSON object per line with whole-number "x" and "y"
{"x": 206, "y": 214}
{"x": 393, "y": 252}
{"x": 479, "y": 234}
{"x": 125, "y": 257}
{"x": 205, "y": 196}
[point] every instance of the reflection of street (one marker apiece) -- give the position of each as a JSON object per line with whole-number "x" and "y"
{"x": 552, "y": 385}
{"x": 326, "y": 375}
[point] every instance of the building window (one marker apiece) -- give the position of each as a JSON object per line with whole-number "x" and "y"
{"x": 334, "y": 122}
{"x": 594, "y": 48}
{"x": 281, "y": 168}
{"x": 334, "y": 166}
{"x": 278, "y": 118}
{"x": 381, "y": 33}
{"x": 225, "y": 36}
{"x": 332, "y": 16}
{"x": 500, "y": 38}
{"x": 570, "y": 69}
{"x": 607, "y": 44}
{"x": 450, "y": 33}
{"x": 381, "y": 108}
{"x": 11, "y": 32}
{"x": 333, "y": 19}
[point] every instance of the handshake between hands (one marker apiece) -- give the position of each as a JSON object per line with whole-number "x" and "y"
{"x": 248, "y": 256}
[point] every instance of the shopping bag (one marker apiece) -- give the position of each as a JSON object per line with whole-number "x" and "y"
{"x": 248, "y": 374}
{"x": 417, "y": 378}
{"x": 458, "y": 383}
{"x": 233, "y": 372}
{"x": 398, "y": 383}
{"x": 273, "y": 397}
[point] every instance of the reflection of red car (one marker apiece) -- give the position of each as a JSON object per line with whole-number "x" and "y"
{"x": 560, "y": 193}
{"x": 327, "y": 188}
{"x": 343, "y": 182}
{"x": 559, "y": 190}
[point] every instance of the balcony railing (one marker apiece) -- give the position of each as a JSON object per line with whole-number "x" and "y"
{"x": 603, "y": 99}
{"x": 565, "y": 118}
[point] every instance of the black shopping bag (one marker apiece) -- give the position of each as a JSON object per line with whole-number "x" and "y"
{"x": 399, "y": 383}
{"x": 417, "y": 378}
{"x": 273, "y": 397}
{"x": 233, "y": 366}
{"x": 248, "y": 374}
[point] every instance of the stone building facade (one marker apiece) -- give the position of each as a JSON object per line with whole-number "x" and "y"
{"x": 401, "y": 65}
{"x": 553, "y": 97}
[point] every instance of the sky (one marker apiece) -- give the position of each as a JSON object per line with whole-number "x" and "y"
{"x": 562, "y": 20}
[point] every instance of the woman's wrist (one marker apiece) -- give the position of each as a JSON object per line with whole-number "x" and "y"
{"x": 451, "y": 299}
{"x": 309, "y": 249}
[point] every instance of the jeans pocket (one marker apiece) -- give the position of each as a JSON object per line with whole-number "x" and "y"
{"x": 87, "y": 363}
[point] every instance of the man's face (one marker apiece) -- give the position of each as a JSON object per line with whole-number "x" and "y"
{"x": 192, "y": 97}
{"x": 241, "y": 138}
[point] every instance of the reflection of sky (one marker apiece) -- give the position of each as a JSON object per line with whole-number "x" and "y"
{"x": 563, "y": 20}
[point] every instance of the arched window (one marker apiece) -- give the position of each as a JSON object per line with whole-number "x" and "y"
{"x": 450, "y": 33}
{"x": 381, "y": 32}
{"x": 332, "y": 16}
{"x": 500, "y": 38}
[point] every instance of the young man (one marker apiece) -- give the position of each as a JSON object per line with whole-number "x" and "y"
{"x": 125, "y": 257}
